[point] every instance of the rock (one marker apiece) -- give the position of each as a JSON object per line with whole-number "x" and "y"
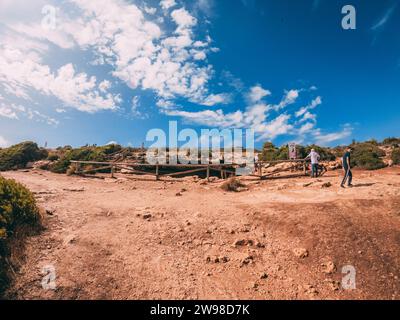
{"x": 264, "y": 275}
{"x": 332, "y": 284}
{"x": 178, "y": 194}
{"x": 326, "y": 185}
{"x": 309, "y": 289}
{"x": 300, "y": 253}
{"x": 260, "y": 245}
{"x": 241, "y": 189}
{"x": 74, "y": 189}
{"x": 224, "y": 259}
{"x": 328, "y": 267}
{"x": 307, "y": 184}
{"x": 50, "y": 212}
{"x": 247, "y": 260}
{"x": 147, "y": 216}
{"x": 243, "y": 242}
{"x": 70, "y": 239}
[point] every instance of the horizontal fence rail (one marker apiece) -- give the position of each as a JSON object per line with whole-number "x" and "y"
{"x": 225, "y": 170}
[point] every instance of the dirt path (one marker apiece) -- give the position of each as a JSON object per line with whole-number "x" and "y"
{"x": 126, "y": 239}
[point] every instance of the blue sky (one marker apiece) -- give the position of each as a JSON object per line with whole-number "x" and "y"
{"x": 101, "y": 71}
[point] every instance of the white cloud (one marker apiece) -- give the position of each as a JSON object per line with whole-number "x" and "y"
{"x": 307, "y": 127}
{"x": 384, "y": 19}
{"x": 257, "y": 93}
{"x": 183, "y": 19}
{"x": 326, "y": 139}
{"x": 20, "y": 73}
{"x": 150, "y": 10}
{"x": 304, "y": 110}
{"x": 104, "y": 86}
{"x": 135, "y": 107}
{"x": 213, "y": 99}
{"x": 166, "y": 4}
{"x": 3, "y": 142}
{"x": 289, "y": 98}
{"x": 7, "y": 112}
{"x": 170, "y": 63}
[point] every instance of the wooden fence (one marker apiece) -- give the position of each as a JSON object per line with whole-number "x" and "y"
{"x": 225, "y": 170}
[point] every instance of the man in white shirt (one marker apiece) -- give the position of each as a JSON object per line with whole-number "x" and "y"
{"x": 314, "y": 156}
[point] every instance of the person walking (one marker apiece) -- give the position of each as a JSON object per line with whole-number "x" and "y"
{"x": 314, "y": 156}
{"x": 348, "y": 176}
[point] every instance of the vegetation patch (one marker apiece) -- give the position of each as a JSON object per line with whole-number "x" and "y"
{"x": 367, "y": 155}
{"x": 17, "y": 156}
{"x": 272, "y": 153}
{"x": 87, "y": 153}
{"x": 396, "y": 156}
{"x": 19, "y": 216}
{"x": 233, "y": 185}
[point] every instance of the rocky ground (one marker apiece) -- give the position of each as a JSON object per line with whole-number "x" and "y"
{"x": 180, "y": 239}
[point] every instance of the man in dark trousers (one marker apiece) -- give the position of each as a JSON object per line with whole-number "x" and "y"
{"x": 348, "y": 176}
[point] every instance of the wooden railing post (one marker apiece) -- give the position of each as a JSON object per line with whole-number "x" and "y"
{"x": 157, "y": 177}
{"x": 208, "y": 172}
{"x": 112, "y": 171}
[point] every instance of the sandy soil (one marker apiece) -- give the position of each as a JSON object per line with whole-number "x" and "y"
{"x": 133, "y": 239}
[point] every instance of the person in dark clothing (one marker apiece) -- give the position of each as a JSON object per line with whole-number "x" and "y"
{"x": 348, "y": 176}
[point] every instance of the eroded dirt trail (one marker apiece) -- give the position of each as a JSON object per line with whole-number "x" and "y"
{"x": 127, "y": 239}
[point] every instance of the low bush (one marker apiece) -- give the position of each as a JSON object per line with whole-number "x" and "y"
{"x": 367, "y": 156}
{"x": 325, "y": 153}
{"x": 391, "y": 141}
{"x": 271, "y": 153}
{"x": 17, "y": 156}
{"x": 53, "y": 157}
{"x": 87, "y": 153}
{"x": 233, "y": 185}
{"x": 18, "y": 212}
{"x": 396, "y": 156}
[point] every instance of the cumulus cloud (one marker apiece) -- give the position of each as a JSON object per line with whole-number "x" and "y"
{"x": 213, "y": 99}
{"x": 172, "y": 63}
{"x": 19, "y": 73}
{"x": 290, "y": 97}
{"x": 327, "y": 138}
{"x": 257, "y": 93}
{"x": 3, "y": 142}
{"x": 7, "y": 111}
{"x": 166, "y": 4}
{"x": 314, "y": 103}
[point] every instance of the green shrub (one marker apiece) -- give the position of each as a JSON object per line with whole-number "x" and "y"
{"x": 270, "y": 152}
{"x": 17, "y": 156}
{"x": 392, "y": 141}
{"x": 18, "y": 211}
{"x": 87, "y": 153}
{"x": 396, "y": 156}
{"x": 367, "y": 156}
{"x": 325, "y": 153}
{"x": 53, "y": 157}
{"x": 232, "y": 185}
